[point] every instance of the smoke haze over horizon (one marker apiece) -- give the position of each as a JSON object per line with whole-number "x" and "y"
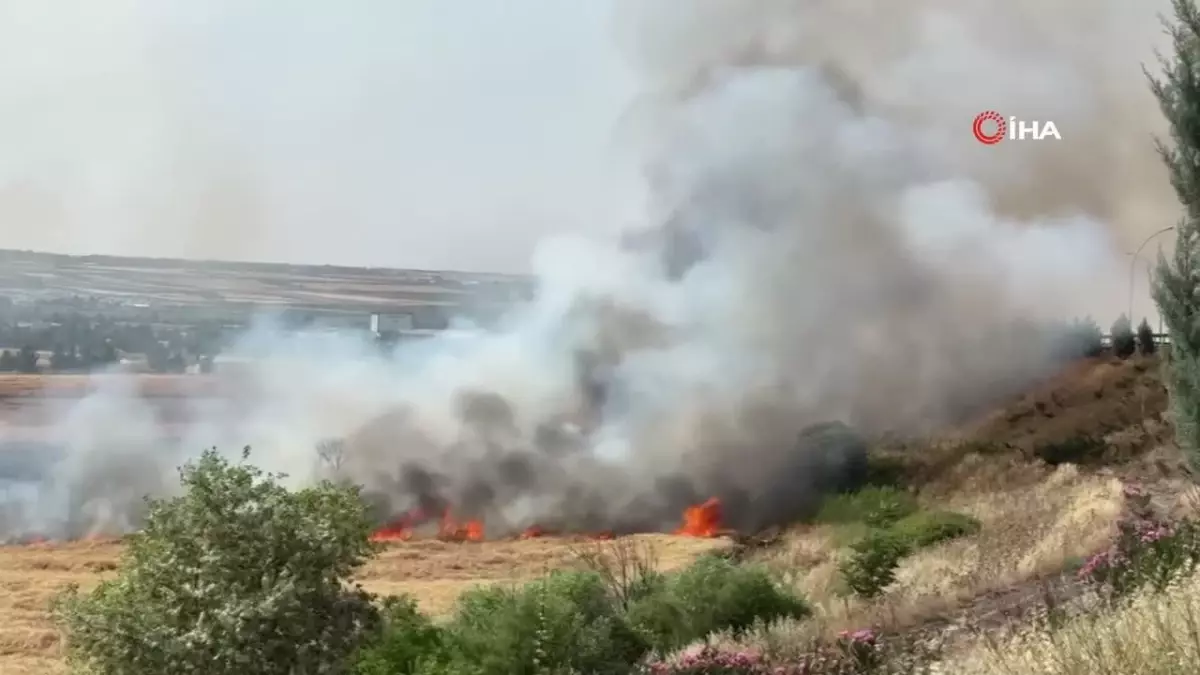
{"x": 808, "y": 231}
{"x": 368, "y": 133}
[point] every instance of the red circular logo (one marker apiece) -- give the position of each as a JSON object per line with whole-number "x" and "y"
{"x": 981, "y": 120}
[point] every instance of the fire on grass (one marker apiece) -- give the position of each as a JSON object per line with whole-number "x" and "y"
{"x": 701, "y": 520}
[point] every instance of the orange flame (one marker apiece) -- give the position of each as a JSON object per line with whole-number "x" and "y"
{"x": 703, "y": 520}
{"x": 391, "y": 532}
{"x": 451, "y": 530}
{"x": 400, "y": 529}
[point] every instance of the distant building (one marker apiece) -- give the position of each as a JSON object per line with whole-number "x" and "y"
{"x": 390, "y": 323}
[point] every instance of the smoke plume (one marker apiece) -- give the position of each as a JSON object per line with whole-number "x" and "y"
{"x": 823, "y": 240}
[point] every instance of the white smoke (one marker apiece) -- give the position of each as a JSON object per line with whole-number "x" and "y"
{"x": 826, "y": 241}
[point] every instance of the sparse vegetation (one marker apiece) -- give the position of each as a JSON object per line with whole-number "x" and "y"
{"x": 1154, "y": 634}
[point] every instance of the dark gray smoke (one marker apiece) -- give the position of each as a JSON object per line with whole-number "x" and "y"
{"x": 825, "y": 241}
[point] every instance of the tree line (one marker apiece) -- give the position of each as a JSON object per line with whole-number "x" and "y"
{"x": 84, "y": 342}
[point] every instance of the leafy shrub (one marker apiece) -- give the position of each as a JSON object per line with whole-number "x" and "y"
{"x": 1124, "y": 342}
{"x": 1148, "y": 552}
{"x": 711, "y": 595}
{"x": 409, "y": 642}
{"x": 238, "y": 575}
{"x": 926, "y": 528}
{"x": 1080, "y": 449}
{"x": 566, "y": 622}
{"x": 874, "y": 506}
{"x": 872, "y": 564}
{"x": 1145, "y": 338}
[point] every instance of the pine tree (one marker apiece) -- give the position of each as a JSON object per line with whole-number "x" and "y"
{"x": 1124, "y": 343}
{"x": 1176, "y": 287}
{"x": 1145, "y": 338}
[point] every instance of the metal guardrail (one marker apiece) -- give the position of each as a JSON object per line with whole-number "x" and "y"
{"x": 1159, "y": 339}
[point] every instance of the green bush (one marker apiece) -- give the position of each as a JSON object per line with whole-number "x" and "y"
{"x": 711, "y": 595}
{"x": 577, "y": 622}
{"x": 238, "y": 575}
{"x": 876, "y": 506}
{"x": 926, "y": 528}
{"x": 1124, "y": 342}
{"x": 410, "y": 643}
{"x": 566, "y": 622}
{"x": 872, "y": 564}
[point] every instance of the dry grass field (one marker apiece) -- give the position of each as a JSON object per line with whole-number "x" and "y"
{"x": 1035, "y": 518}
{"x": 435, "y": 572}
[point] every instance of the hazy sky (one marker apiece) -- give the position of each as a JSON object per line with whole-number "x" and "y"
{"x": 418, "y": 133}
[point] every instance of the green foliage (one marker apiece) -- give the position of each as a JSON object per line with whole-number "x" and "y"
{"x": 237, "y": 575}
{"x": 926, "y": 528}
{"x": 1176, "y": 287}
{"x": 1124, "y": 342}
{"x": 876, "y": 506}
{"x": 1148, "y": 553}
{"x": 711, "y": 595}
{"x": 886, "y": 525}
{"x": 565, "y": 622}
{"x": 593, "y": 621}
{"x": 872, "y": 564}
{"x": 1081, "y": 449}
{"x": 1145, "y": 338}
{"x": 408, "y": 643}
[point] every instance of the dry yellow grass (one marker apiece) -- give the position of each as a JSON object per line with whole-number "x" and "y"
{"x": 1157, "y": 634}
{"x": 434, "y": 572}
{"x": 1029, "y": 529}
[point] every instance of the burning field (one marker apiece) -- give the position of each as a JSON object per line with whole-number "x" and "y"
{"x": 702, "y": 520}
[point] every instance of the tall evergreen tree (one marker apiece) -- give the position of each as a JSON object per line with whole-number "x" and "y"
{"x": 1124, "y": 342}
{"x": 1176, "y": 286}
{"x": 1145, "y": 338}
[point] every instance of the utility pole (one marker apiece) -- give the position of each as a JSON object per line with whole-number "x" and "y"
{"x": 1133, "y": 266}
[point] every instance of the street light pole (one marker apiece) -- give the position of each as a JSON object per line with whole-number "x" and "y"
{"x": 1133, "y": 266}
